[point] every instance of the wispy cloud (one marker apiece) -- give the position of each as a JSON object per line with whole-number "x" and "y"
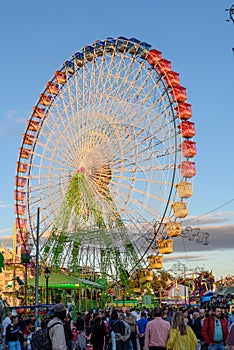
{"x": 183, "y": 257}
{"x": 5, "y": 230}
{"x": 4, "y": 205}
{"x": 13, "y": 116}
{"x": 208, "y": 219}
{"x": 10, "y": 122}
{"x": 6, "y": 241}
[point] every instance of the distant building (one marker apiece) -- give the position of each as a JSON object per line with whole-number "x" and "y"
{"x": 11, "y": 275}
{"x": 178, "y": 292}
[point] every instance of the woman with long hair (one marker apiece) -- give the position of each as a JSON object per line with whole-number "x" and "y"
{"x": 181, "y": 336}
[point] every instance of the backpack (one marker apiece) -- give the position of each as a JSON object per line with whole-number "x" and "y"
{"x": 41, "y": 339}
{"x": 119, "y": 327}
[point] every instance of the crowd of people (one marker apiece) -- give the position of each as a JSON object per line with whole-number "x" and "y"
{"x": 125, "y": 329}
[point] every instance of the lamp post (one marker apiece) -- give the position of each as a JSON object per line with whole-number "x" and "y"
{"x": 47, "y": 275}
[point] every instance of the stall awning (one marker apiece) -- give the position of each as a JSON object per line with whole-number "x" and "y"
{"x": 58, "y": 280}
{"x": 225, "y": 291}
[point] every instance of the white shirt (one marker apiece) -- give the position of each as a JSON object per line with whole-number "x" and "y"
{"x": 5, "y": 323}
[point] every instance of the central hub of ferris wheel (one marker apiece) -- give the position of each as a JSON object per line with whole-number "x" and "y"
{"x": 81, "y": 170}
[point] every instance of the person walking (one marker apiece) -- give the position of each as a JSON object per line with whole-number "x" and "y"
{"x": 181, "y": 336}
{"x": 157, "y": 332}
{"x": 56, "y": 332}
{"x": 68, "y": 331}
{"x": 230, "y": 338}
{"x": 196, "y": 325}
{"x": 98, "y": 334}
{"x": 122, "y": 333}
{"x": 231, "y": 319}
{"x": 215, "y": 330}
{"x": 5, "y": 323}
{"x": 113, "y": 318}
{"x": 80, "y": 322}
{"x": 131, "y": 321}
{"x": 165, "y": 314}
{"x": 12, "y": 335}
{"x": 141, "y": 327}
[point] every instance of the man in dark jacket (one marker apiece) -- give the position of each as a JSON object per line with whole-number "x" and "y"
{"x": 215, "y": 330}
{"x": 196, "y": 324}
{"x": 12, "y": 334}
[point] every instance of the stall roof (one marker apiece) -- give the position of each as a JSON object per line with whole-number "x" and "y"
{"x": 225, "y": 291}
{"x": 57, "y": 280}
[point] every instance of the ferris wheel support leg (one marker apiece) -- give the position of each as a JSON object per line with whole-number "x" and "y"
{"x": 37, "y": 261}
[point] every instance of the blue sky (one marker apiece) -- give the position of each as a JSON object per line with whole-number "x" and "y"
{"x": 36, "y": 37}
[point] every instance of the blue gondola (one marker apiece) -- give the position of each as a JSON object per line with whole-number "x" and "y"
{"x": 98, "y": 47}
{"x": 110, "y": 44}
{"x": 89, "y": 52}
{"x": 143, "y": 50}
{"x": 133, "y": 45}
{"x": 79, "y": 59}
{"x": 69, "y": 67}
{"x": 145, "y": 45}
{"x": 122, "y": 43}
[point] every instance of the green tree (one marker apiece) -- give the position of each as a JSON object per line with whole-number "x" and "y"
{"x": 1, "y": 262}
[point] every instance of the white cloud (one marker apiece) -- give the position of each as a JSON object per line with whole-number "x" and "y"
{"x": 4, "y": 205}
{"x": 12, "y": 116}
{"x": 208, "y": 219}
{"x": 6, "y": 241}
{"x": 5, "y": 230}
{"x": 10, "y": 123}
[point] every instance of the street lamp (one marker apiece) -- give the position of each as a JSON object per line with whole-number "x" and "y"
{"x": 47, "y": 275}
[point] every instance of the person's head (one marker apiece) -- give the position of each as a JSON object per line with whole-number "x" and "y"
{"x": 15, "y": 319}
{"x": 185, "y": 313}
{"x": 143, "y": 314}
{"x": 60, "y": 311}
{"x": 31, "y": 327}
{"x": 216, "y": 311}
{"x": 114, "y": 315}
{"x": 97, "y": 321}
{"x": 202, "y": 313}
{"x": 195, "y": 315}
{"x": 95, "y": 314}
{"x": 78, "y": 314}
{"x": 121, "y": 316}
{"x": 127, "y": 312}
{"x": 210, "y": 312}
{"x": 178, "y": 322}
{"x": 157, "y": 312}
{"x": 9, "y": 314}
{"x": 165, "y": 309}
{"x": 124, "y": 310}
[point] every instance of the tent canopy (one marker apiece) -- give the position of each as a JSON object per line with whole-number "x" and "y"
{"x": 59, "y": 280}
{"x": 225, "y": 291}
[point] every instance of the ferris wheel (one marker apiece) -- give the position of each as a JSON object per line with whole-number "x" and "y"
{"x": 107, "y": 157}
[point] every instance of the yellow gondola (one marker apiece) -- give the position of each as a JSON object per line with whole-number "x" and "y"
{"x": 184, "y": 189}
{"x": 165, "y": 246}
{"x": 145, "y": 276}
{"x": 180, "y": 209}
{"x": 155, "y": 262}
{"x": 173, "y": 229}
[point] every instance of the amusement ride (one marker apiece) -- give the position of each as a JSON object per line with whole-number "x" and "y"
{"x": 107, "y": 156}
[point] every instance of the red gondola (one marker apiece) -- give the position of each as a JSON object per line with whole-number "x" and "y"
{"x": 187, "y": 129}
